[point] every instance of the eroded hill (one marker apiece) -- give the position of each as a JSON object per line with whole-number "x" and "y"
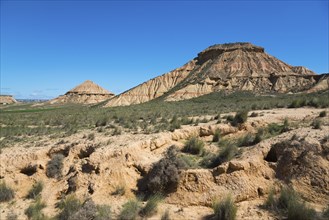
{"x": 226, "y": 67}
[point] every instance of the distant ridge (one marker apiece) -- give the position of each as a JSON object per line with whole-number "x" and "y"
{"x": 87, "y": 92}
{"x": 225, "y": 67}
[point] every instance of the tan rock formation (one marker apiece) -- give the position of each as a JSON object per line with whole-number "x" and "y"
{"x": 153, "y": 88}
{"x": 86, "y": 93}
{"x": 7, "y": 99}
{"x": 224, "y": 67}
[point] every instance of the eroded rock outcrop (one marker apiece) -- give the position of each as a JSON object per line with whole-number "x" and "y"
{"x": 153, "y": 88}
{"x": 86, "y": 93}
{"x": 226, "y": 67}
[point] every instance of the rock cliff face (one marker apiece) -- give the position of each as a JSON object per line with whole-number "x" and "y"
{"x": 86, "y": 93}
{"x": 226, "y": 67}
{"x": 7, "y": 99}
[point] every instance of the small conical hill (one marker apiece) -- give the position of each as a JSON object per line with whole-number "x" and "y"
{"x": 87, "y": 92}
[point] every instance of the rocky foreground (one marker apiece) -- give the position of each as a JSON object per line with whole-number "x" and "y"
{"x": 95, "y": 165}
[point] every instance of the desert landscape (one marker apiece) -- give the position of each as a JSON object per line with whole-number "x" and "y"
{"x": 234, "y": 133}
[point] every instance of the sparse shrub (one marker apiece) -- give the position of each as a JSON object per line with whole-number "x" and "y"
{"x": 55, "y": 166}
{"x": 165, "y": 215}
{"x": 230, "y": 118}
{"x": 274, "y": 129}
{"x": 240, "y": 118}
{"x": 326, "y": 212}
{"x": 11, "y": 215}
{"x": 270, "y": 202}
{"x": 117, "y": 131}
{"x": 191, "y": 161}
{"x": 194, "y": 146}
{"x": 68, "y": 207}
{"x": 316, "y": 124}
{"x": 103, "y": 212}
{"x": 174, "y": 123}
{"x": 164, "y": 175}
{"x": 87, "y": 211}
{"x": 130, "y": 210}
{"x": 254, "y": 114}
{"x": 295, "y": 104}
{"x": 227, "y": 151}
{"x": 119, "y": 190}
{"x": 151, "y": 206}
{"x": 323, "y": 114}
{"x": 91, "y": 136}
{"x": 246, "y": 140}
{"x": 34, "y": 210}
{"x": 225, "y": 209}
{"x": 72, "y": 209}
{"x": 285, "y": 126}
{"x": 216, "y": 136}
{"x": 259, "y": 135}
{"x": 35, "y": 190}
{"x": 6, "y": 193}
{"x": 101, "y": 122}
{"x": 299, "y": 211}
{"x": 287, "y": 196}
{"x": 217, "y": 117}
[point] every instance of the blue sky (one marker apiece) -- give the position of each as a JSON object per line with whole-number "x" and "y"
{"x": 49, "y": 47}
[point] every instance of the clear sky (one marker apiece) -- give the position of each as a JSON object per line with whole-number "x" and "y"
{"x": 49, "y": 47}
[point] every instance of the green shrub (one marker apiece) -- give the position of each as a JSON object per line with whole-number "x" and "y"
{"x": 55, "y": 166}
{"x": 91, "y": 136}
{"x": 34, "y": 210}
{"x": 254, "y": 114}
{"x": 240, "y": 117}
{"x": 230, "y": 118}
{"x": 103, "y": 212}
{"x": 194, "y": 146}
{"x": 191, "y": 161}
{"x": 317, "y": 124}
{"x": 72, "y": 209}
{"x": 326, "y": 212}
{"x": 246, "y": 140}
{"x": 6, "y": 193}
{"x": 299, "y": 211}
{"x": 101, "y": 122}
{"x": 68, "y": 207}
{"x": 216, "y": 136}
{"x": 286, "y": 197}
{"x": 274, "y": 129}
{"x": 130, "y": 210}
{"x": 323, "y": 114}
{"x": 151, "y": 206}
{"x": 164, "y": 175}
{"x": 259, "y": 135}
{"x": 165, "y": 215}
{"x": 89, "y": 210}
{"x": 285, "y": 126}
{"x": 119, "y": 190}
{"x": 35, "y": 190}
{"x": 225, "y": 209}
{"x": 270, "y": 202}
{"x": 227, "y": 151}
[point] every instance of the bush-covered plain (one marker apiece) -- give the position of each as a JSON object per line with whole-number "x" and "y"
{"x": 19, "y": 121}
